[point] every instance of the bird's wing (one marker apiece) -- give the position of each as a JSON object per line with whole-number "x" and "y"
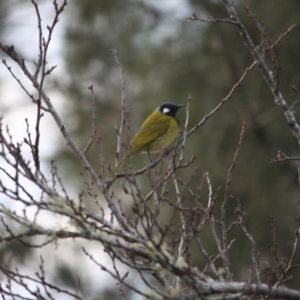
{"x": 146, "y": 135}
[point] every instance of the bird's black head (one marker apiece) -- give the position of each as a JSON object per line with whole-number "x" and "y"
{"x": 169, "y": 108}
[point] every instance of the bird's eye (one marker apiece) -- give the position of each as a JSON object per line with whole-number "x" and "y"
{"x": 165, "y": 110}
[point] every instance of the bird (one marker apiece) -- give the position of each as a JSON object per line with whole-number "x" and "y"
{"x": 156, "y": 133}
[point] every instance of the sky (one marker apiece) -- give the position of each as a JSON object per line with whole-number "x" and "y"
{"x": 21, "y": 31}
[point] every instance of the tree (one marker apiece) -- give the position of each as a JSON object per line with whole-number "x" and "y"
{"x": 140, "y": 245}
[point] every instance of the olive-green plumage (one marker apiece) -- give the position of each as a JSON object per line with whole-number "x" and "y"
{"x": 157, "y": 132}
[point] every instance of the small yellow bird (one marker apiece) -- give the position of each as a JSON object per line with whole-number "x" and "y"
{"x": 157, "y": 132}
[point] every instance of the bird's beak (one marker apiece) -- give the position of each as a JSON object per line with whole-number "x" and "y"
{"x": 181, "y": 105}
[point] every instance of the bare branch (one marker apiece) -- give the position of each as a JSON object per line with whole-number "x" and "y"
{"x": 124, "y": 116}
{"x": 279, "y": 99}
{"x": 89, "y": 143}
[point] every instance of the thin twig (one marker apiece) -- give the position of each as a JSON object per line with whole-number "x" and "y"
{"x": 252, "y": 241}
{"x": 123, "y": 99}
{"x": 185, "y": 129}
{"x": 226, "y": 199}
{"x": 90, "y": 141}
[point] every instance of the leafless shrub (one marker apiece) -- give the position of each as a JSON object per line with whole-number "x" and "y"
{"x": 157, "y": 253}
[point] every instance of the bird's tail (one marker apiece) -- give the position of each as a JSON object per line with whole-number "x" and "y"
{"x": 119, "y": 166}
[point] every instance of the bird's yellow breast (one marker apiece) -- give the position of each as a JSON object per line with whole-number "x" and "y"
{"x": 157, "y": 132}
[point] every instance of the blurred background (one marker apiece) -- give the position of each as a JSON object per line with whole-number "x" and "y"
{"x": 166, "y": 57}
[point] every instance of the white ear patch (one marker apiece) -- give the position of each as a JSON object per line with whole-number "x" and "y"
{"x": 166, "y": 110}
